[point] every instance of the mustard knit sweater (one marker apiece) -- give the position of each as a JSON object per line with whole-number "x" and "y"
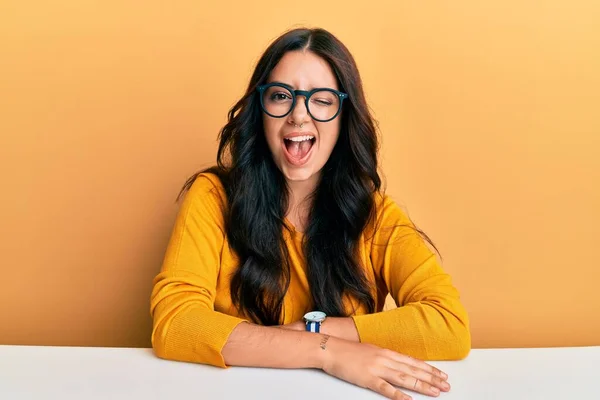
{"x": 194, "y": 316}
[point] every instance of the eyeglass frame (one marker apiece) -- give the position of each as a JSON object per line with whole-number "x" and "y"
{"x": 297, "y": 92}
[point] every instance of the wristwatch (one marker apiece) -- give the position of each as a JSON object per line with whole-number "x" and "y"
{"x": 314, "y": 319}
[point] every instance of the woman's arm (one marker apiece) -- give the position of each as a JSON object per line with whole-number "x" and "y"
{"x": 430, "y": 322}
{"x": 363, "y": 365}
{"x": 186, "y": 326}
{"x": 252, "y": 345}
{"x": 186, "y": 329}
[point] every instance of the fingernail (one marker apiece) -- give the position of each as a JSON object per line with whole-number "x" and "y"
{"x": 446, "y": 386}
{"x": 435, "y": 390}
{"x": 444, "y": 375}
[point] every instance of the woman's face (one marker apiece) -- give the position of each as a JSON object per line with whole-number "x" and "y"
{"x": 301, "y": 159}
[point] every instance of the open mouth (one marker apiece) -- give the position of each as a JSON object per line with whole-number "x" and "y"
{"x": 298, "y": 149}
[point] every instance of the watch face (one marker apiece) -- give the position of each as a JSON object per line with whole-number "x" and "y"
{"x": 315, "y": 316}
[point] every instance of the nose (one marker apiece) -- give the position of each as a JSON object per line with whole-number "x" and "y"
{"x": 299, "y": 114}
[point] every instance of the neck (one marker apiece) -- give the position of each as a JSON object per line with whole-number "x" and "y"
{"x": 299, "y": 191}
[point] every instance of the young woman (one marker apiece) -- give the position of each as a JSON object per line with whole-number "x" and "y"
{"x": 282, "y": 255}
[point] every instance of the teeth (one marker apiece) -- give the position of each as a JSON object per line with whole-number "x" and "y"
{"x": 300, "y": 138}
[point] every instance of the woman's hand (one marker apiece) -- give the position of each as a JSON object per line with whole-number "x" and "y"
{"x": 379, "y": 369}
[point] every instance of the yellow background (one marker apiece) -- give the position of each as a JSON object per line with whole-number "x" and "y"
{"x": 490, "y": 119}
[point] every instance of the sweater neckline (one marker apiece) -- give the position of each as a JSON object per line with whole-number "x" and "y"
{"x": 295, "y": 232}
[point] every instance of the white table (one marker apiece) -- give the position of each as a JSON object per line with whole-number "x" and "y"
{"x": 82, "y": 373}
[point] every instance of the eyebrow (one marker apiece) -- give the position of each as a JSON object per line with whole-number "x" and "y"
{"x": 308, "y": 90}
{"x": 284, "y": 84}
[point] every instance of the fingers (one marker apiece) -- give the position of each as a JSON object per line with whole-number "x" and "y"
{"x": 415, "y": 378}
{"x": 385, "y": 389}
{"x": 427, "y": 388}
{"x": 416, "y": 363}
{"x": 410, "y": 382}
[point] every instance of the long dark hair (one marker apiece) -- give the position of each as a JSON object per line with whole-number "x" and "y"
{"x": 257, "y": 194}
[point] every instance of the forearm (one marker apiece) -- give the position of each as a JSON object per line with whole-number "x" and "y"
{"x": 423, "y": 330}
{"x": 252, "y": 345}
{"x": 343, "y": 328}
{"x": 338, "y": 327}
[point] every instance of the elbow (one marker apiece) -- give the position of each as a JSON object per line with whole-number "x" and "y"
{"x": 462, "y": 344}
{"x": 159, "y": 342}
{"x": 452, "y": 337}
{"x": 162, "y": 337}
{"x": 459, "y": 341}
{"x": 453, "y": 333}
{"x": 452, "y": 345}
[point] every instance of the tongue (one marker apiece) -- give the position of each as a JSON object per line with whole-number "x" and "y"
{"x": 299, "y": 149}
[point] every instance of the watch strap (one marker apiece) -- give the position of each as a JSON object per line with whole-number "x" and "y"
{"x": 312, "y": 326}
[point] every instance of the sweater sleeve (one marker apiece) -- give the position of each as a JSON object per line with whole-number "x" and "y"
{"x": 185, "y": 325}
{"x": 430, "y": 322}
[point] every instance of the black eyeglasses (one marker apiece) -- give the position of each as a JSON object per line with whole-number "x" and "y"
{"x": 278, "y": 100}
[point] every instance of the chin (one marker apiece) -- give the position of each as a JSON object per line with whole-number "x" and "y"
{"x": 298, "y": 175}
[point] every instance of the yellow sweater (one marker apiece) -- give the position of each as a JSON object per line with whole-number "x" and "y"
{"x": 194, "y": 316}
